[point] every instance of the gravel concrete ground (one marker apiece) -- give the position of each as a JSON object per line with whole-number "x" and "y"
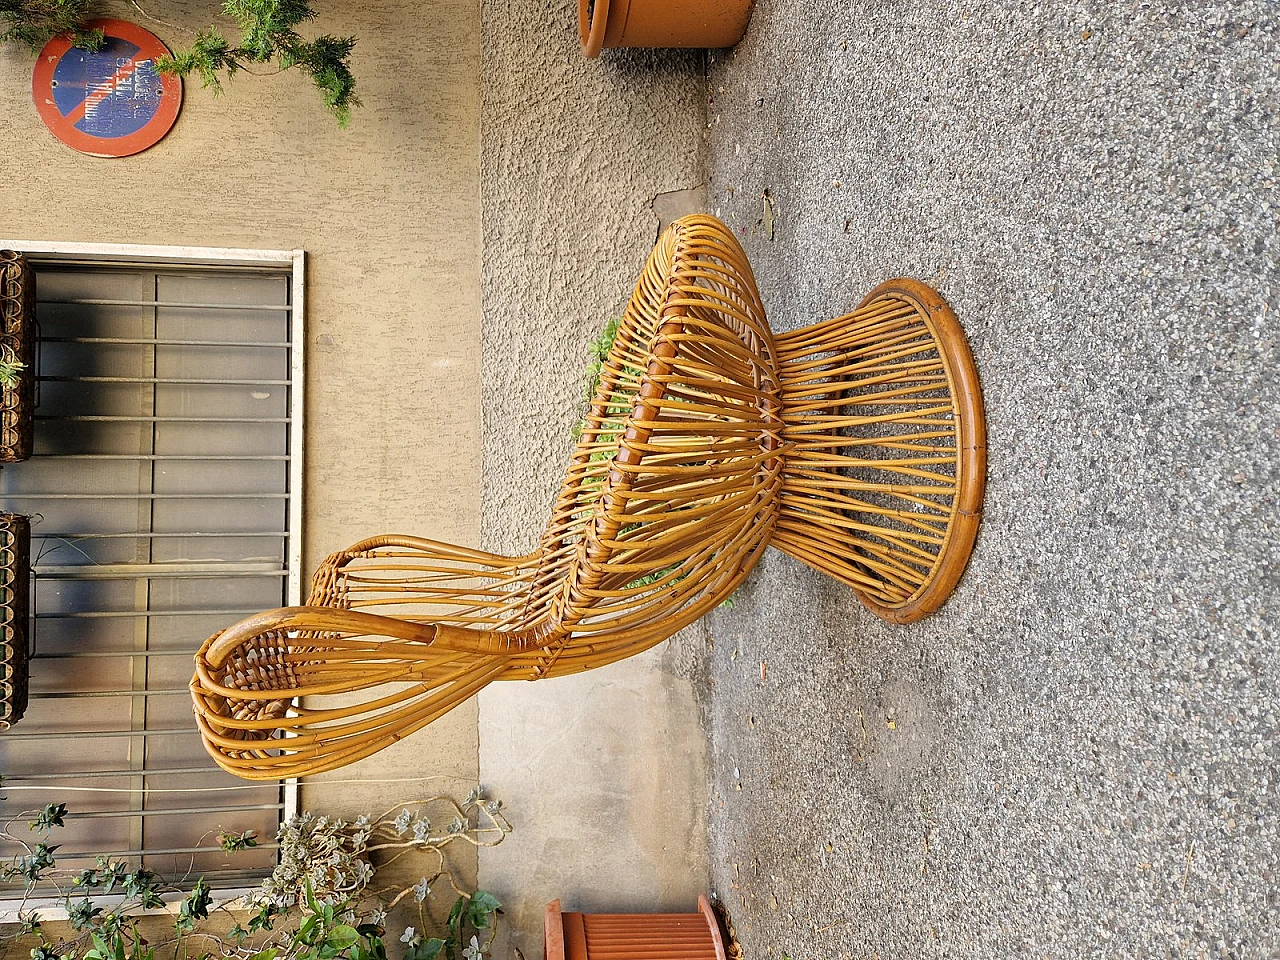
{"x": 1078, "y": 756}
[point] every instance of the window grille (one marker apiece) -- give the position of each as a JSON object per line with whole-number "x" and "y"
{"x": 164, "y": 498}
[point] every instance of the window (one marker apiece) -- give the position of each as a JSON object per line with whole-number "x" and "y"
{"x": 164, "y": 496}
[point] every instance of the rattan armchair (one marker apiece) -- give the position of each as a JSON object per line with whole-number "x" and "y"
{"x": 856, "y": 445}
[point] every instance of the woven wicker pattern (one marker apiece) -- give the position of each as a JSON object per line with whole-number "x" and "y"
{"x": 17, "y": 342}
{"x": 705, "y": 441}
{"x": 886, "y": 449}
{"x": 15, "y": 566}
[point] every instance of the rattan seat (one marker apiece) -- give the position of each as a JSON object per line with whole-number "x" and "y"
{"x": 856, "y": 445}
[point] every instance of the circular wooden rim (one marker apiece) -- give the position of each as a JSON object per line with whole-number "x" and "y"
{"x": 713, "y": 923}
{"x": 591, "y": 26}
{"x": 151, "y": 133}
{"x": 971, "y": 451}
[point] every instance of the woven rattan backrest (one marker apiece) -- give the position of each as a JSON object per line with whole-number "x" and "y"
{"x": 678, "y": 459}
{"x": 686, "y": 401}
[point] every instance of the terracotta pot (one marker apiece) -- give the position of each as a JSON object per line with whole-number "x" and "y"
{"x": 633, "y": 936}
{"x": 660, "y": 23}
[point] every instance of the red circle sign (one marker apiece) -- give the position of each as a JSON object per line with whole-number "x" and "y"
{"x": 109, "y": 102}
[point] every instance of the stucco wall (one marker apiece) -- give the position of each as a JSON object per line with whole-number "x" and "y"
{"x": 388, "y": 212}
{"x": 604, "y": 773}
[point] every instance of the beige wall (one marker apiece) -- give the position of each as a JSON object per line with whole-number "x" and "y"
{"x": 388, "y": 212}
{"x": 604, "y": 773}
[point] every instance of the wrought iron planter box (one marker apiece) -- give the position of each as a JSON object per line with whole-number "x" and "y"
{"x": 17, "y": 346}
{"x": 15, "y": 583}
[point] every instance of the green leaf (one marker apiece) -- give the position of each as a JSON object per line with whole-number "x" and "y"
{"x": 52, "y": 814}
{"x": 455, "y": 912}
{"x": 83, "y": 915}
{"x": 139, "y": 883}
{"x": 482, "y": 904}
{"x": 232, "y": 842}
{"x": 343, "y": 936}
{"x": 312, "y": 904}
{"x": 268, "y": 954}
{"x": 308, "y": 928}
{"x": 428, "y": 949}
{"x": 264, "y": 918}
{"x": 194, "y": 907}
{"x": 114, "y": 873}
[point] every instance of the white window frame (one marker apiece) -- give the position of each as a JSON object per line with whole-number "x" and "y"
{"x": 145, "y": 254}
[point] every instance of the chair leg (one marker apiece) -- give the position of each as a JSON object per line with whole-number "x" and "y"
{"x": 886, "y": 461}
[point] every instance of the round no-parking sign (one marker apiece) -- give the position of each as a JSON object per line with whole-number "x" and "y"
{"x": 109, "y": 102}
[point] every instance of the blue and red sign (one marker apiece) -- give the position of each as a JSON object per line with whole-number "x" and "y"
{"x": 109, "y": 102}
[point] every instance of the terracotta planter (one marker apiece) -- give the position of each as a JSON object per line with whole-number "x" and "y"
{"x": 17, "y": 342}
{"x": 15, "y": 582}
{"x": 660, "y": 23}
{"x": 633, "y": 936}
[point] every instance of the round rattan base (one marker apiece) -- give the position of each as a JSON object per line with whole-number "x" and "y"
{"x": 886, "y": 459}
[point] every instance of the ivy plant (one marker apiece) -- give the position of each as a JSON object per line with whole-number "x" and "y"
{"x": 319, "y": 904}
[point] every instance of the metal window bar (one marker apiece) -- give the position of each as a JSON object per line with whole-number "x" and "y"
{"x": 89, "y": 694}
{"x": 176, "y": 304}
{"x": 104, "y": 814}
{"x": 183, "y": 534}
{"x": 63, "y": 735}
{"x": 104, "y": 614}
{"x": 193, "y": 457}
{"x": 108, "y": 655}
{"x": 100, "y": 774}
{"x": 89, "y": 418}
{"x": 147, "y": 496}
{"x": 145, "y": 562}
{"x": 155, "y": 852}
{"x": 184, "y": 381}
{"x": 154, "y": 341}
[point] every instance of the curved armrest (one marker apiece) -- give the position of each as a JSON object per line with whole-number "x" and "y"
{"x": 300, "y": 690}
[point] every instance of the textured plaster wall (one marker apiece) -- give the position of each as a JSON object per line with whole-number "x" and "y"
{"x": 388, "y": 213}
{"x": 603, "y": 774}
